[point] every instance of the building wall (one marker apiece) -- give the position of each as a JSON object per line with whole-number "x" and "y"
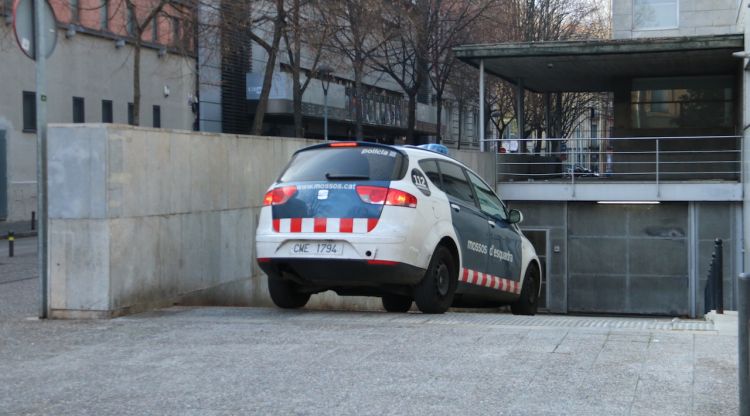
{"x": 90, "y": 67}
{"x": 639, "y": 259}
{"x": 695, "y": 18}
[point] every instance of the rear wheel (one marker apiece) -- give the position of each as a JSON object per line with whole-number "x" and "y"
{"x": 434, "y": 294}
{"x": 286, "y": 294}
{"x": 529, "y": 300}
{"x": 396, "y": 303}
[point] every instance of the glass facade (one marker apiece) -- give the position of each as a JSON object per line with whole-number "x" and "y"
{"x": 655, "y": 14}
{"x": 692, "y": 102}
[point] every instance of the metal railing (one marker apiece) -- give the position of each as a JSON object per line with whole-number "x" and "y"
{"x": 635, "y": 159}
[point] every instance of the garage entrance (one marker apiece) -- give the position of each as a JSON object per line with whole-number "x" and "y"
{"x": 628, "y": 258}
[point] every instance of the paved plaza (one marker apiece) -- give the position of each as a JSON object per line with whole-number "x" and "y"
{"x": 227, "y": 361}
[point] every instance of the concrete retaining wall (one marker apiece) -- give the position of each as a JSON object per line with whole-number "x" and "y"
{"x": 142, "y": 218}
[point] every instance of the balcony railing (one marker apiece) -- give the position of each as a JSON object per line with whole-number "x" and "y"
{"x": 632, "y": 159}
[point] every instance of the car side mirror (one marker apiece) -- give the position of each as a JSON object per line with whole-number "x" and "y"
{"x": 515, "y": 216}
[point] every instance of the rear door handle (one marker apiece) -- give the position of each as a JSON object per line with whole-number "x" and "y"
{"x": 455, "y": 207}
{"x": 492, "y": 223}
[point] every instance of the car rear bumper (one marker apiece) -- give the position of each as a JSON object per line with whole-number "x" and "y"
{"x": 342, "y": 272}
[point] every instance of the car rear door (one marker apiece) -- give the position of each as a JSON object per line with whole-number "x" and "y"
{"x": 471, "y": 225}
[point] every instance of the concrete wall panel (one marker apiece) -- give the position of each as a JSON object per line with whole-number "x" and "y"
{"x": 597, "y": 219}
{"x": 77, "y": 173}
{"x": 597, "y": 293}
{"x": 79, "y": 265}
{"x": 657, "y": 221}
{"x": 659, "y": 294}
{"x": 658, "y": 257}
{"x": 598, "y": 255}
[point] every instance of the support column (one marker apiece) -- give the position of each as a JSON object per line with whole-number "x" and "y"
{"x": 40, "y": 49}
{"x": 520, "y": 115}
{"x": 548, "y": 114}
{"x": 481, "y": 105}
{"x": 745, "y": 151}
{"x": 558, "y": 122}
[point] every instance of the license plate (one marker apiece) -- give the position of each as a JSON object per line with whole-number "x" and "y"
{"x": 317, "y": 249}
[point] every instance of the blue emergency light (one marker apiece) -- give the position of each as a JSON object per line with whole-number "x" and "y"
{"x": 434, "y": 147}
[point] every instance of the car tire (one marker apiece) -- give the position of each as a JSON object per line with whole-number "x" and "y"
{"x": 528, "y": 302}
{"x": 396, "y": 303}
{"x": 286, "y": 294}
{"x": 434, "y": 294}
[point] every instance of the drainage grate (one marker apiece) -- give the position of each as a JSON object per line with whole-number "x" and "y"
{"x": 495, "y": 319}
{"x": 575, "y": 322}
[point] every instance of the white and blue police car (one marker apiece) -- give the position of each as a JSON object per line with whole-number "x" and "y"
{"x": 402, "y": 223}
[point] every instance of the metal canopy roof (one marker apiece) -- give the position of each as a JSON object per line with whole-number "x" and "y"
{"x": 577, "y": 66}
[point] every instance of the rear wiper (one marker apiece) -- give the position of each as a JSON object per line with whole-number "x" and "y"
{"x": 346, "y": 176}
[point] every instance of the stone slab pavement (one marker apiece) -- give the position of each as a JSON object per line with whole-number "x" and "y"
{"x": 19, "y": 283}
{"x": 230, "y": 361}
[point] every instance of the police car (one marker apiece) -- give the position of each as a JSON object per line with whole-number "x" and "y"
{"x": 402, "y": 223}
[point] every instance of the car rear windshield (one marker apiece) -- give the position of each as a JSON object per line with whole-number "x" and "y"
{"x": 345, "y": 163}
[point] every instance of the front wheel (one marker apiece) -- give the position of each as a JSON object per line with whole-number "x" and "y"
{"x": 434, "y": 294}
{"x": 528, "y": 302}
{"x": 286, "y": 294}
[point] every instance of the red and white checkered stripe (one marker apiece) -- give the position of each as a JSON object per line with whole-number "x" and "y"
{"x": 324, "y": 225}
{"x": 487, "y": 280}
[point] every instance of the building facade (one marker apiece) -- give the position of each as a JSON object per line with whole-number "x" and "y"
{"x": 89, "y": 79}
{"x": 637, "y": 236}
{"x": 231, "y": 81}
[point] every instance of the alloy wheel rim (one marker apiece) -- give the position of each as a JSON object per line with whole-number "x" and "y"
{"x": 442, "y": 279}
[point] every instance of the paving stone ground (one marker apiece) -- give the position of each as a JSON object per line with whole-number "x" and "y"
{"x": 228, "y": 361}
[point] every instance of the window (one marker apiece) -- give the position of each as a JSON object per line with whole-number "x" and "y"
{"x": 345, "y": 164}
{"x": 131, "y": 23}
{"x": 157, "y": 116}
{"x": 655, "y": 14}
{"x": 104, "y": 15}
{"x": 489, "y": 203}
{"x": 79, "y": 111}
{"x": 431, "y": 170}
{"x": 29, "y": 111}
{"x": 455, "y": 183}
{"x": 155, "y": 29}
{"x": 107, "y": 113}
{"x": 176, "y": 31}
{"x": 683, "y": 102}
{"x": 131, "y": 114}
{"x": 6, "y": 9}
{"x": 75, "y": 11}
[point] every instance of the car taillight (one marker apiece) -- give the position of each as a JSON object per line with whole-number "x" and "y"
{"x": 343, "y": 144}
{"x": 379, "y": 195}
{"x": 400, "y": 199}
{"x": 372, "y": 194}
{"x": 278, "y": 196}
